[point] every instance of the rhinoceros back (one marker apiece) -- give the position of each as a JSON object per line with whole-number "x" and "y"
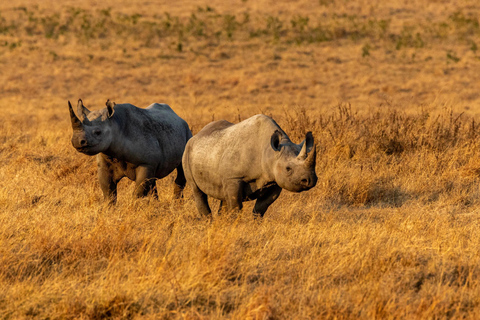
{"x": 155, "y": 136}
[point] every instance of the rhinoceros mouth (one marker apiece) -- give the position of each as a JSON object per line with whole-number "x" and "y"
{"x": 300, "y": 188}
{"x": 305, "y": 189}
{"x": 87, "y": 151}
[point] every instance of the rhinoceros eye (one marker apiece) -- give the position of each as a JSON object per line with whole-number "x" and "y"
{"x": 97, "y": 132}
{"x": 288, "y": 170}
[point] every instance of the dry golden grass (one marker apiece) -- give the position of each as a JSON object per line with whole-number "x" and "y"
{"x": 389, "y": 90}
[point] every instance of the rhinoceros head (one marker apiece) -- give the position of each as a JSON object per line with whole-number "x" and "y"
{"x": 294, "y": 166}
{"x": 92, "y": 130}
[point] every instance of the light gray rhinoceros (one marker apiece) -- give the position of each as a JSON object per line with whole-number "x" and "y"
{"x": 141, "y": 144}
{"x": 253, "y": 159}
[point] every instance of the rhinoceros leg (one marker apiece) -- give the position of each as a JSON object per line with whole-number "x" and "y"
{"x": 107, "y": 181}
{"x": 266, "y": 199}
{"x": 201, "y": 200}
{"x": 233, "y": 192}
{"x": 180, "y": 182}
{"x": 145, "y": 181}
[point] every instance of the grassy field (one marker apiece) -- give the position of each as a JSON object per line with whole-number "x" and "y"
{"x": 389, "y": 90}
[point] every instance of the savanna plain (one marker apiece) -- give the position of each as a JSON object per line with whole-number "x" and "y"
{"x": 390, "y": 90}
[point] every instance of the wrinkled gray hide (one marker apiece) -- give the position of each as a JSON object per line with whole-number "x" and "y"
{"x": 251, "y": 160}
{"x": 141, "y": 144}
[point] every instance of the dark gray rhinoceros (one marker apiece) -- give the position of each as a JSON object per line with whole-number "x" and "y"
{"x": 251, "y": 160}
{"x": 141, "y": 144}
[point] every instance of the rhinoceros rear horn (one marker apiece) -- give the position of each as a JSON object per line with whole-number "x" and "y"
{"x": 311, "y": 158}
{"x": 76, "y": 123}
{"x": 307, "y": 146}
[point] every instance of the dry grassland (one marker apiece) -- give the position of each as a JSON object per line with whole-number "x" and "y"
{"x": 389, "y": 89}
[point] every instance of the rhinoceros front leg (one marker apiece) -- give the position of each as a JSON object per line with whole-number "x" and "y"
{"x": 266, "y": 199}
{"x": 145, "y": 181}
{"x": 180, "y": 182}
{"x": 107, "y": 181}
{"x": 233, "y": 189}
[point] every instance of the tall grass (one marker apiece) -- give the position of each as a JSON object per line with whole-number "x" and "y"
{"x": 385, "y": 232}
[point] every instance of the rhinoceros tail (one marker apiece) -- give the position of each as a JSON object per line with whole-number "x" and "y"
{"x": 189, "y": 133}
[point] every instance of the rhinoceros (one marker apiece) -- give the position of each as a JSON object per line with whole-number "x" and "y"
{"x": 141, "y": 144}
{"x": 250, "y": 160}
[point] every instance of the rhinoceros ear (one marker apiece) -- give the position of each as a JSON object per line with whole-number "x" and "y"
{"x": 110, "y": 105}
{"x": 307, "y": 146}
{"x": 275, "y": 140}
{"x": 82, "y": 110}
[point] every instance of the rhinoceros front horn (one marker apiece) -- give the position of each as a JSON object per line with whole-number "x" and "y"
{"x": 76, "y": 123}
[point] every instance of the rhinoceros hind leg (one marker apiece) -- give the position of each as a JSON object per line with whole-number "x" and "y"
{"x": 180, "y": 182}
{"x": 201, "y": 200}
